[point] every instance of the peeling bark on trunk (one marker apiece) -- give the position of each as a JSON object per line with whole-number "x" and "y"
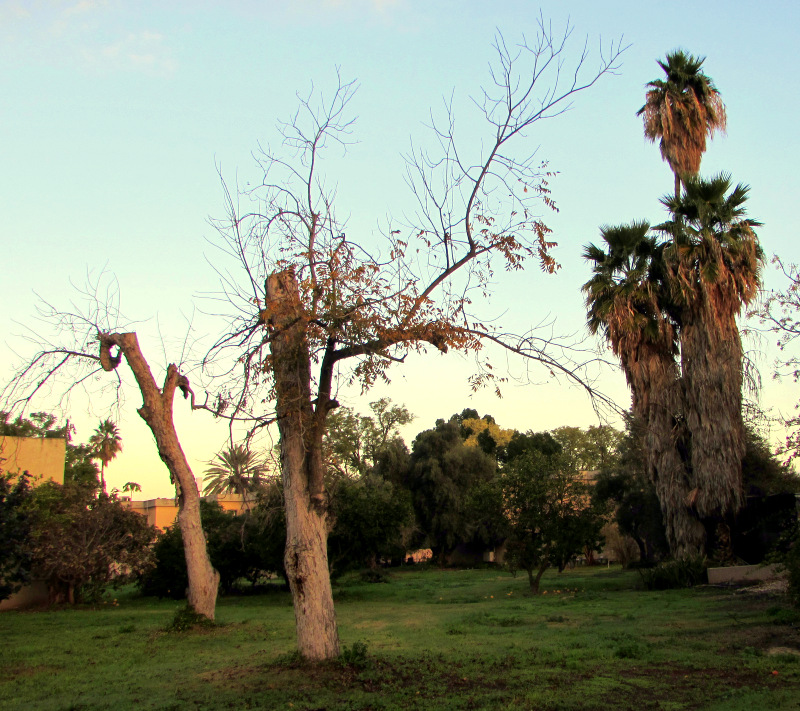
{"x": 157, "y": 413}
{"x": 301, "y": 429}
{"x": 711, "y": 351}
{"x": 657, "y": 402}
{"x": 669, "y": 471}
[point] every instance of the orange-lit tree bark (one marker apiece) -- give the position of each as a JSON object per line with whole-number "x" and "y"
{"x": 56, "y": 368}
{"x": 156, "y": 411}
{"x": 328, "y": 306}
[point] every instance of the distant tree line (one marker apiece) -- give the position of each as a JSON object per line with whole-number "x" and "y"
{"x": 466, "y": 486}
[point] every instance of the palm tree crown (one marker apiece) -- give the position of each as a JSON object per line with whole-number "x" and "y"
{"x": 625, "y": 296}
{"x": 682, "y": 111}
{"x": 107, "y": 444}
{"x": 235, "y": 470}
{"x": 714, "y": 244}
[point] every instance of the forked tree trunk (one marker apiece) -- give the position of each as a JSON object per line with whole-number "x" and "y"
{"x": 535, "y": 577}
{"x": 301, "y": 430}
{"x": 157, "y": 413}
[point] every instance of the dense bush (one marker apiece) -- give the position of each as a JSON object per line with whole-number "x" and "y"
{"x": 681, "y": 573}
{"x": 80, "y": 545}
{"x": 15, "y": 526}
{"x": 243, "y": 546}
{"x": 372, "y": 522}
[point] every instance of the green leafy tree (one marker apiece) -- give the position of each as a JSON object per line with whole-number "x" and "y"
{"x": 37, "y": 424}
{"x": 15, "y": 531}
{"x": 373, "y": 520}
{"x": 550, "y": 517}
{"x": 80, "y": 467}
{"x": 443, "y": 473}
{"x": 81, "y": 545}
{"x": 354, "y": 443}
{"x": 624, "y": 484}
{"x": 589, "y": 449}
{"x": 524, "y": 442}
{"x": 763, "y": 473}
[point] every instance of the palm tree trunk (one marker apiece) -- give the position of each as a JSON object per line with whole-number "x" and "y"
{"x": 657, "y": 403}
{"x": 711, "y": 353}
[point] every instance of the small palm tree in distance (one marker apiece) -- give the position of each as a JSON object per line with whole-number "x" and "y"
{"x": 107, "y": 444}
{"x": 235, "y": 470}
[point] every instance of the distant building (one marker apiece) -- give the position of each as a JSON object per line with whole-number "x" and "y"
{"x": 163, "y": 512}
{"x": 43, "y": 459}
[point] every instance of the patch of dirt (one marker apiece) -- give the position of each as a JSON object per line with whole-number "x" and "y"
{"x": 769, "y": 588}
{"x": 774, "y": 651}
{"x": 20, "y": 670}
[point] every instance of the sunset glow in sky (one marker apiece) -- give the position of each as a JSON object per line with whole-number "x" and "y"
{"x": 117, "y": 116}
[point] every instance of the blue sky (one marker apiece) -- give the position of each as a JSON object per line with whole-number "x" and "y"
{"x": 116, "y": 115}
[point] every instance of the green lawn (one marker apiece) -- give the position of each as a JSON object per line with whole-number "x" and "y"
{"x": 436, "y": 639}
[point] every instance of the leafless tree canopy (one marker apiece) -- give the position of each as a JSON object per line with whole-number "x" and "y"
{"x": 478, "y": 212}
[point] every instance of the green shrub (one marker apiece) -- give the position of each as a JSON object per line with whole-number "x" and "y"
{"x": 186, "y": 618}
{"x": 374, "y": 575}
{"x": 680, "y": 573}
{"x": 239, "y": 547}
{"x": 354, "y": 656}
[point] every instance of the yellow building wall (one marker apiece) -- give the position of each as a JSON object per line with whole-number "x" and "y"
{"x": 42, "y": 458}
{"x": 162, "y": 513}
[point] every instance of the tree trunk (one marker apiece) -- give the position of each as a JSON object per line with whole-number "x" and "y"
{"x": 711, "y": 353}
{"x": 533, "y": 580}
{"x": 658, "y": 403}
{"x": 302, "y": 466}
{"x": 157, "y": 413}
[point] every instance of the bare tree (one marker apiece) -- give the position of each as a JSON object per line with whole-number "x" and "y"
{"x": 86, "y": 344}
{"x": 779, "y": 314}
{"x": 317, "y": 306}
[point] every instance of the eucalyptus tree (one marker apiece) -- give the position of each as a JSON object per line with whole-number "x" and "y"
{"x": 681, "y": 112}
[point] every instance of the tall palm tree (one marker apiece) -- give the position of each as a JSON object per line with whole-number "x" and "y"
{"x": 106, "y": 443}
{"x": 714, "y": 266}
{"x": 235, "y": 470}
{"x": 682, "y": 111}
{"x": 627, "y": 301}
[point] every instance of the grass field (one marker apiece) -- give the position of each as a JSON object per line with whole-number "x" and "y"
{"x": 436, "y": 639}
